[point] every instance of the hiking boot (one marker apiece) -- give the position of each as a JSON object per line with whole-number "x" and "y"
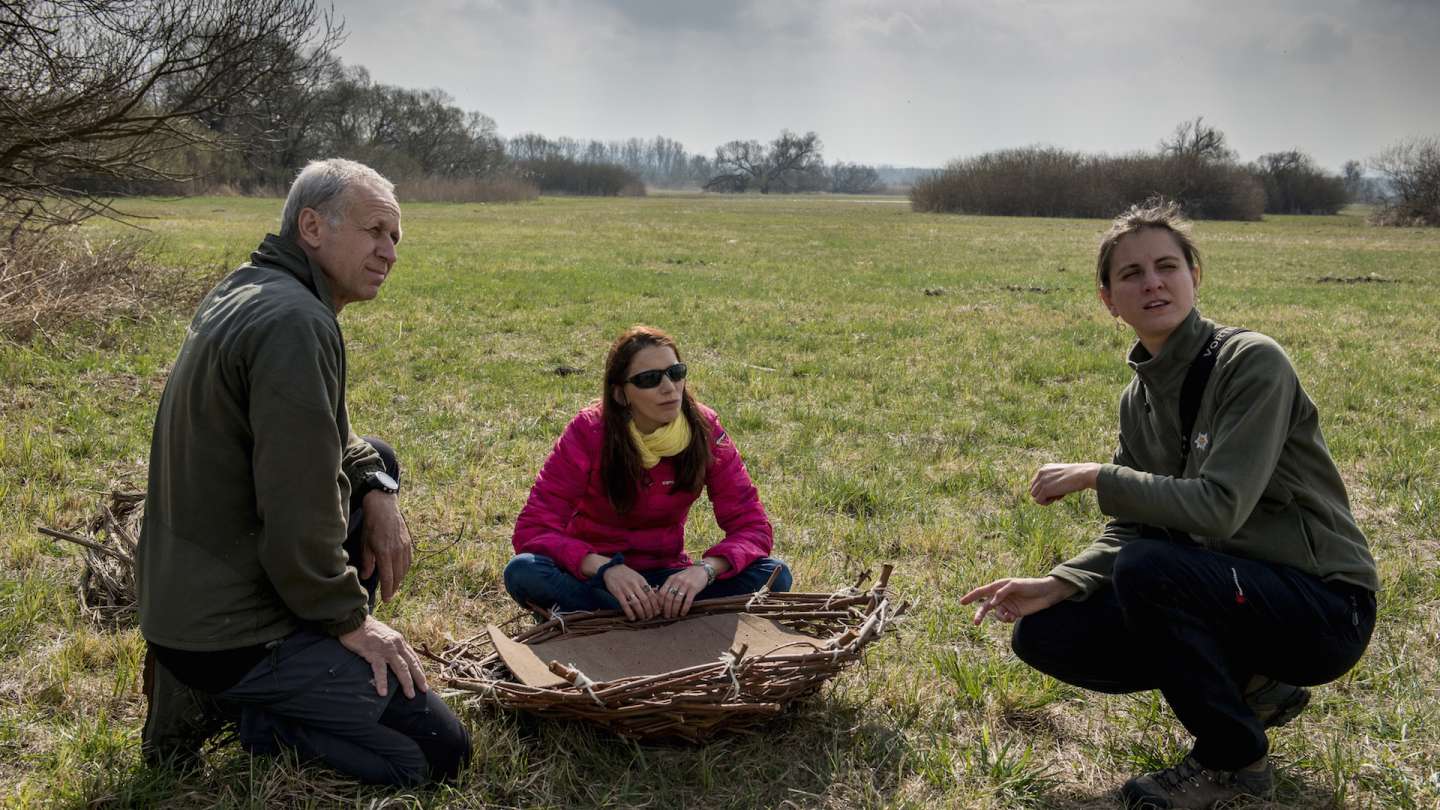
{"x": 1192, "y": 786}
{"x": 1276, "y": 703}
{"x": 179, "y": 719}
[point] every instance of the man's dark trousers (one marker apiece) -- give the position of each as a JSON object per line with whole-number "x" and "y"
{"x": 1197, "y": 625}
{"x": 310, "y": 694}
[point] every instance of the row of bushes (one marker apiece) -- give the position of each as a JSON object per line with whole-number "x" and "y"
{"x": 561, "y": 175}
{"x": 1043, "y": 181}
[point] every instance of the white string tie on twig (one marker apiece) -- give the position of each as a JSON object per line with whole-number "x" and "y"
{"x": 558, "y": 616}
{"x": 730, "y": 661}
{"x": 844, "y": 593}
{"x": 588, "y": 686}
{"x": 758, "y": 596}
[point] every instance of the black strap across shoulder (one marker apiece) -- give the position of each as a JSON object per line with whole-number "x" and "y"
{"x": 1194, "y": 386}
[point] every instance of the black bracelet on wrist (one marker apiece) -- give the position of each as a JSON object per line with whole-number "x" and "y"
{"x": 598, "y": 581}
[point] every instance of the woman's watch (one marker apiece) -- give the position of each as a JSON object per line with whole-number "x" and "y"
{"x": 709, "y": 572}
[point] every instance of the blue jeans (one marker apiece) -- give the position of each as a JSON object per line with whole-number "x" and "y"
{"x": 533, "y": 579}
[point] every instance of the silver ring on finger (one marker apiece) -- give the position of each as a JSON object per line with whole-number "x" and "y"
{"x": 674, "y": 591}
{"x": 629, "y": 597}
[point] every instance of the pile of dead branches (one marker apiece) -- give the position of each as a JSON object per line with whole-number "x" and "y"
{"x": 107, "y": 581}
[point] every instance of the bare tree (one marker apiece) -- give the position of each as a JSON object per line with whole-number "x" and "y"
{"x": 532, "y": 146}
{"x": 738, "y": 167}
{"x": 790, "y": 163}
{"x": 1198, "y": 141}
{"x": 794, "y": 163}
{"x": 97, "y": 95}
{"x": 854, "y": 178}
{"x": 1412, "y": 170}
{"x": 1358, "y": 187}
{"x": 1295, "y": 185}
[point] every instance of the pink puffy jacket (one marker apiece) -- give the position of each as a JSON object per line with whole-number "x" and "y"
{"x": 568, "y": 515}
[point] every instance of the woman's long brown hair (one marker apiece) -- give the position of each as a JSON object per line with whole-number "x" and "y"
{"x": 620, "y": 468}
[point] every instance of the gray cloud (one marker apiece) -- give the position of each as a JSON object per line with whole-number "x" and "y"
{"x": 923, "y": 81}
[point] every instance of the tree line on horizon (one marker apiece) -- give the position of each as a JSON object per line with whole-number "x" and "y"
{"x": 1194, "y": 165}
{"x": 105, "y": 98}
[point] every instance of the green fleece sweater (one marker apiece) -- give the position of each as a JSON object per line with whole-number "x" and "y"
{"x": 251, "y": 467}
{"x": 1259, "y": 482}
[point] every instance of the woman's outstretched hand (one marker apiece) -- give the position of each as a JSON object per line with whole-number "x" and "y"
{"x": 1054, "y": 481}
{"x": 632, "y": 592}
{"x": 1010, "y": 598}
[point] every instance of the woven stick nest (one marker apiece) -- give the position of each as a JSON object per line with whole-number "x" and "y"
{"x": 107, "y": 582}
{"x": 693, "y": 703}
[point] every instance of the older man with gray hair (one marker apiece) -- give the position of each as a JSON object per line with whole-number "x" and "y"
{"x": 270, "y": 525}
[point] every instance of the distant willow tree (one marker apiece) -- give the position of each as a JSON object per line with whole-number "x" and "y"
{"x": 99, "y": 97}
{"x": 791, "y": 162}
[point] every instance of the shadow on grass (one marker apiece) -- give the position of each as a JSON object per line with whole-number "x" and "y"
{"x": 1290, "y": 794}
{"x": 822, "y": 751}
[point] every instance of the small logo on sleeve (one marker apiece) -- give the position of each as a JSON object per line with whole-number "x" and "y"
{"x": 1202, "y": 441}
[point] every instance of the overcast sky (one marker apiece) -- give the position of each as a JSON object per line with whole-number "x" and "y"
{"x": 921, "y": 82}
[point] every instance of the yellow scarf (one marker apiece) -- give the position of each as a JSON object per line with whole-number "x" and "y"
{"x": 667, "y": 440}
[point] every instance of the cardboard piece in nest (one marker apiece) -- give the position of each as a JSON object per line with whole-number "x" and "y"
{"x": 623, "y": 653}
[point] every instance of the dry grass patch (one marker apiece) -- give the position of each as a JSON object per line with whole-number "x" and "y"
{"x": 55, "y": 279}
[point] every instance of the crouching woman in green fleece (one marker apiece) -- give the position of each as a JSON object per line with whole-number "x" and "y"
{"x": 1232, "y": 572}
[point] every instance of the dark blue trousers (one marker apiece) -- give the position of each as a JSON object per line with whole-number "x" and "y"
{"x": 534, "y": 579}
{"x": 1197, "y": 625}
{"x": 313, "y": 696}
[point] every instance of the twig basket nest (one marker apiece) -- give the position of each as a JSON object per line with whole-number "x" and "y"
{"x": 107, "y": 581}
{"x": 786, "y": 645}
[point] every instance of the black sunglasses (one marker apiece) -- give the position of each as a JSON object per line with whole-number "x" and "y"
{"x": 651, "y": 378}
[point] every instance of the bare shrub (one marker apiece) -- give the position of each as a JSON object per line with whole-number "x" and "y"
{"x": 54, "y": 279}
{"x": 855, "y": 178}
{"x": 562, "y": 175}
{"x": 1040, "y": 181}
{"x": 1412, "y": 170}
{"x": 497, "y": 188}
{"x": 1295, "y": 185}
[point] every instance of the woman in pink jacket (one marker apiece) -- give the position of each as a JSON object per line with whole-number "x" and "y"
{"x": 605, "y": 523}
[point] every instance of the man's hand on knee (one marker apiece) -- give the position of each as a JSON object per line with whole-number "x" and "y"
{"x": 383, "y": 646}
{"x": 385, "y": 542}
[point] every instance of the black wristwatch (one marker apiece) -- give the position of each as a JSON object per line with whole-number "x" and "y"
{"x": 380, "y": 480}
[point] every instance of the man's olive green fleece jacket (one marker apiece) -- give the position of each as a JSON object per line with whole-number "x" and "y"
{"x": 1259, "y": 482}
{"x": 251, "y": 467}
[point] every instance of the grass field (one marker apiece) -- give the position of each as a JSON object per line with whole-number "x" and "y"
{"x": 892, "y": 380}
